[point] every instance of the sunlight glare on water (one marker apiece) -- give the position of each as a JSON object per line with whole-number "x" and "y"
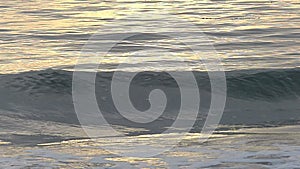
{"x": 246, "y": 34}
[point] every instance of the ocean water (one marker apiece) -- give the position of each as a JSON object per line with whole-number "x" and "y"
{"x": 256, "y": 44}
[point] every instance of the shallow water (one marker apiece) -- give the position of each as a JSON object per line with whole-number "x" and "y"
{"x": 246, "y": 148}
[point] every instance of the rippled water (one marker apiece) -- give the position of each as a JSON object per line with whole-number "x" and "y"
{"x": 246, "y": 34}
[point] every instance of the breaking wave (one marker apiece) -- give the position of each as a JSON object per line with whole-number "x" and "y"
{"x": 254, "y": 97}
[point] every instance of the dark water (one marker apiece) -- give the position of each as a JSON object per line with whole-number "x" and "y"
{"x": 261, "y": 97}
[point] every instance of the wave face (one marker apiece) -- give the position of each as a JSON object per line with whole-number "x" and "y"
{"x": 271, "y": 85}
{"x": 264, "y": 97}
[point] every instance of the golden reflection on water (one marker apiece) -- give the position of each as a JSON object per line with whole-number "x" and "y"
{"x": 42, "y": 34}
{"x": 232, "y": 150}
